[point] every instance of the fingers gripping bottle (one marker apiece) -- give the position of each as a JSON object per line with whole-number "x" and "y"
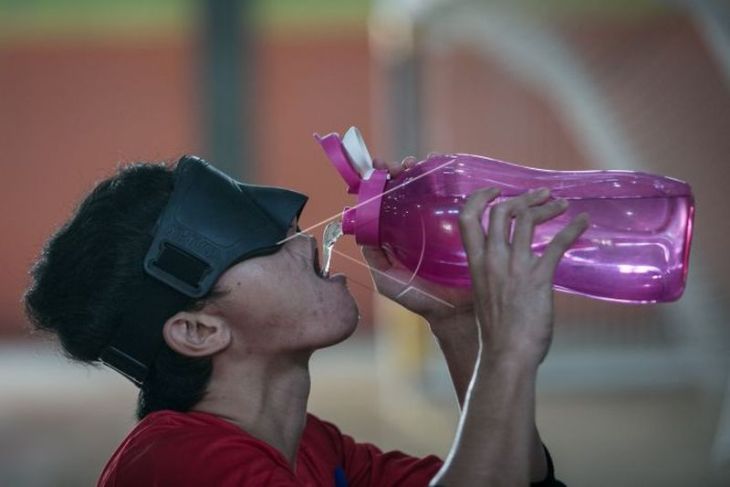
{"x": 635, "y": 250}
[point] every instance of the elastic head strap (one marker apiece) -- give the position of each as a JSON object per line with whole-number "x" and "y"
{"x": 138, "y": 337}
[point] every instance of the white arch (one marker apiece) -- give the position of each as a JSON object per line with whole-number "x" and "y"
{"x": 540, "y": 58}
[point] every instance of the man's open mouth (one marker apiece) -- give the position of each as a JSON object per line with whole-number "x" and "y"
{"x": 315, "y": 263}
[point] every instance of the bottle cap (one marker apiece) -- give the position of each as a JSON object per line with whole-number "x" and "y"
{"x": 357, "y": 152}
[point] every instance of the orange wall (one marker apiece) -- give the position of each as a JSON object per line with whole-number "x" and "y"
{"x": 70, "y": 111}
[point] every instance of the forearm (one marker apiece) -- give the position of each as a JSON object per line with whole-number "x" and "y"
{"x": 458, "y": 338}
{"x": 493, "y": 442}
{"x": 514, "y": 307}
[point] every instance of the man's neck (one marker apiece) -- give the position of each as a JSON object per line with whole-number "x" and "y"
{"x": 266, "y": 397}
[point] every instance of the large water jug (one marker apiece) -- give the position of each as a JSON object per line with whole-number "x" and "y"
{"x": 636, "y": 248}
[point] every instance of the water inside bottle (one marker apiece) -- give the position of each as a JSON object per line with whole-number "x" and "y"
{"x": 332, "y": 232}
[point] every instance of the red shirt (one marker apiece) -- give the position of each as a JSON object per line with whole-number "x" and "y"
{"x": 200, "y": 449}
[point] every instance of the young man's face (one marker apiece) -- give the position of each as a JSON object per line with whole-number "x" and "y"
{"x": 278, "y": 302}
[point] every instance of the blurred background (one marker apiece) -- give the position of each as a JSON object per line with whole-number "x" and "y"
{"x": 629, "y": 395}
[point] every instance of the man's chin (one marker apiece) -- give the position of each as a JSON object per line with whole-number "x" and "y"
{"x": 348, "y": 327}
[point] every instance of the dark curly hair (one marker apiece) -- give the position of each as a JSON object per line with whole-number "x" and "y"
{"x": 90, "y": 271}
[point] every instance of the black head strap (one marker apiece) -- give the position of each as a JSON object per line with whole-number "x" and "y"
{"x": 138, "y": 337}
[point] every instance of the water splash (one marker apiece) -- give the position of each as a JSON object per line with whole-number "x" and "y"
{"x": 332, "y": 232}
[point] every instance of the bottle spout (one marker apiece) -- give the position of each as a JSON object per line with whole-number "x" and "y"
{"x": 348, "y": 221}
{"x": 352, "y": 160}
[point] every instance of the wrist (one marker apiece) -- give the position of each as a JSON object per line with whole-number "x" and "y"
{"x": 512, "y": 362}
{"x": 457, "y": 323}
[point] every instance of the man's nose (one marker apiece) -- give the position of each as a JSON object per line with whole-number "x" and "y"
{"x": 304, "y": 241}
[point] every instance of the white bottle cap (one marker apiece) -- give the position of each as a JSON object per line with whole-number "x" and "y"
{"x": 358, "y": 153}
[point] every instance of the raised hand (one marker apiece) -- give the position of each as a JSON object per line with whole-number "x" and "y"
{"x": 512, "y": 285}
{"x": 497, "y": 442}
{"x": 396, "y": 282}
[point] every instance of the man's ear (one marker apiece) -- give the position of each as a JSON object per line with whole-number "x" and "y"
{"x": 196, "y": 334}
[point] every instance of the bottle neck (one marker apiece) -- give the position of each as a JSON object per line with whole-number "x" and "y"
{"x": 363, "y": 220}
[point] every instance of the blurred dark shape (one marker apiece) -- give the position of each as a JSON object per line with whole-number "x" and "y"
{"x": 227, "y": 61}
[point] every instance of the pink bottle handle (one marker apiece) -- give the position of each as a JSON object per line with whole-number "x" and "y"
{"x": 333, "y": 148}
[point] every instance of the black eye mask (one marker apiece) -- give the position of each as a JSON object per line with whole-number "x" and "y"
{"x": 210, "y": 223}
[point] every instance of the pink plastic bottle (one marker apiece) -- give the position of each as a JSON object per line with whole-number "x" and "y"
{"x": 635, "y": 250}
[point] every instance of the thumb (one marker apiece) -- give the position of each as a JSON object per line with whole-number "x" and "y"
{"x": 376, "y": 258}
